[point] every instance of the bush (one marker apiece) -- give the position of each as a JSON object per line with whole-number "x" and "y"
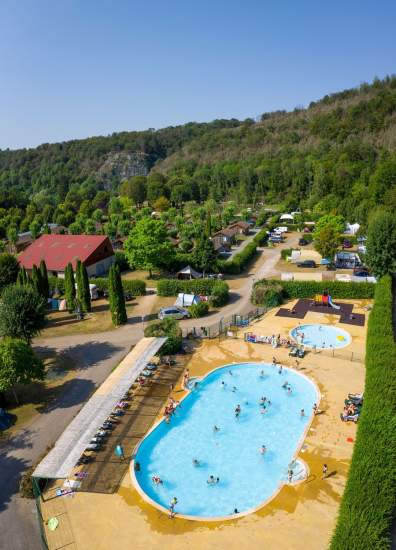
{"x": 172, "y": 287}
{"x": 286, "y": 252}
{"x": 167, "y": 327}
{"x": 239, "y": 261}
{"x": 199, "y": 310}
{"x": 135, "y": 286}
{"x": 220, "y": 294}
{"x": 337, "y": 289}
{"x": 261, "y": 238}
{"x": 268, "y": 294}
{"x": 364, "y": 523}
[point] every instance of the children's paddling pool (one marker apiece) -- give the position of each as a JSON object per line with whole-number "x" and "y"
{"x": 321, "y": 336}
{"x": 247, "y": 478}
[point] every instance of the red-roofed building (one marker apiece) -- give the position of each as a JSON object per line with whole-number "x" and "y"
{"x": 94, "y": 251}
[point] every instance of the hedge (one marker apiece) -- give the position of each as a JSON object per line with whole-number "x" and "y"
{"x": 337, "y": 289}
{"x": 134, "y": 286}
{"x": 172, "y": 287}
{"x": 369, "y": 501}
{"x": 239, "y": 261}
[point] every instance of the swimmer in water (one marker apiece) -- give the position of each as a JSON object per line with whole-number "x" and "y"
{"x": 237, "y": 411}
{"x": 302, "y": 413}
{"x": 280, "y": 369}
{"x": 289, "y": 390}
{"x": 230, "y": 372}
{"x": 285, "y": 385}
{"x": 234, "y": 389}
{"x": 223, "y": 384}
{"x": 216, "y": 429}
{"x": 156, "y": 480}
{"x": 262, "y": 375}
{"x": 195, "y": 462}
{"x": 263, "y": 449}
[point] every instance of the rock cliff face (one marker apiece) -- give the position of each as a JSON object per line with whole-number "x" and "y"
{"x": 123, "y": 165}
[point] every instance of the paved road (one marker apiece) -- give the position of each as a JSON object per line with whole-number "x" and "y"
{"x": 96, "y": 355}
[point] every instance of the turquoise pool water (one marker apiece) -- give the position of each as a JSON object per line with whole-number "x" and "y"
{"x": 246, "y": 477}
{"x": 321, "y": 336}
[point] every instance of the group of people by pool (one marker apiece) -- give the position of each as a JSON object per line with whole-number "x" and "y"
{"x": 170, "y": 409}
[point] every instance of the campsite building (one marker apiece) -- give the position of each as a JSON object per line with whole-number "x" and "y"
{"x": 241, "y": 227}
{"x": 94, "y": 251}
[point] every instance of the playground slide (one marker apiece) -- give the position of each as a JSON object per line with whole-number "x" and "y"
{"x": 332, "y": 304}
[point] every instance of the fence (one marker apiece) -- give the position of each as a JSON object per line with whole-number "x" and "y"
{"x": 226, "y": 325}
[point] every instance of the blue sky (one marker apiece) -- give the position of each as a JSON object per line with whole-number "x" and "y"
{"x": 77, "y": 68}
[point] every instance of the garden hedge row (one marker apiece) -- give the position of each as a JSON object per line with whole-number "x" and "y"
{"x": 368, "y": 505}
{"x": 134, "y": 286}
{"x": 239, "y": 261}
{"x": 337, "y": 289}
{"x": 172, "y": 287}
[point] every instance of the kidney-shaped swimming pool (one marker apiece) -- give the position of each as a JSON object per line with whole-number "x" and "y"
{"x": 232, "y": 453}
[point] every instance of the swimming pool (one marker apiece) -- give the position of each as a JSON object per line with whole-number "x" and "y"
{"x": 247, "y": 478}
{"x": 321, "y": 336}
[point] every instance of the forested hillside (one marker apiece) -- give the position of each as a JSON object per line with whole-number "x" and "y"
{"x": 339, "y": 154}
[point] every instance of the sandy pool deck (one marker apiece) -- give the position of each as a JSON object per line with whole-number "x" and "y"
{"x": 299, "y": 517}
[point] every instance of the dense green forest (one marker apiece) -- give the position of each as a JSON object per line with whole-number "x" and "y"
{"x": 337, "y": 155}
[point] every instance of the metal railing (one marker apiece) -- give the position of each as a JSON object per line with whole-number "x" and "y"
{"x": 225, "y": 325}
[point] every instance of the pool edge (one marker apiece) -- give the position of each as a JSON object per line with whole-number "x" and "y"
{"x": 155, "y": 504}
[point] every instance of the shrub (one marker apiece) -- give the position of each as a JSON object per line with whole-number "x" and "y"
{"x": 172, "y": 287}
{"x": 364, "y": 523}
{"x": 286, "y": 252}
{"x": 135, "y": 286}
{"x": 337, "y": 289}
{"x": 239, "y": 261}
{"x": 268, "y": 294}
{"x": 167, "y": 327}
{"x": 220, "y": 294}
{"x": 199, "y": 310}
{"x": 261, "y": 238}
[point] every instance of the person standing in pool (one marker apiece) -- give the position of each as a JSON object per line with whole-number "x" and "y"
{"x": 290, "y": 475}
{"x": 302, "y": 413}
{"x": 280, "y": 369}
{"x": 237, "y": 411}
{"x": 263, "y": 449}
{"x": 216, "y": 428}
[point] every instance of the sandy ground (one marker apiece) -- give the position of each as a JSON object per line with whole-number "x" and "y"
{"x": 299, "y": 517}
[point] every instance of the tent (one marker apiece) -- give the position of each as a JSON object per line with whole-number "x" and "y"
{"x": 188, "y": 273}
{"x": 186, "y": 300}
{"x": 286, "y": 217}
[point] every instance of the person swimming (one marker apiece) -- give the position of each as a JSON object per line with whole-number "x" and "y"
{"x": 223, "y": 384}
{"x": 285, "y": 385}
{"x": 263, "y": 449}
{"x": 213, "y": 480}
{"x": 262, "y": 374}
{"x": 302, "y": 413}
{"x": 156, "y": 480}
{"x": 216, "y": 428}
{"x": 237, "y": 411}
{"x": 230, "y": 372}
{"x": 195, "y": 462}
{"x": 234, "y": 389}
{"x": 280, "y": 369}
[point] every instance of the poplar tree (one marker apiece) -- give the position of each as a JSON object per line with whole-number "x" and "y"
{"x": 37, "y": 280}
{"x": 116, "y": 297}
{"x": 83, "y": 292}
{"x": 70, "y": 288}
{"x": 44, "y": 278}
{"x": 23, "y": 277}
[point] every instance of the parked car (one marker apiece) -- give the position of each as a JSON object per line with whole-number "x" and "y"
{"x": 347, "y": 244}
{"x": 359, "y": 272}
{"x": 306, "y": 263}
{"x": 173, "y": 311}
{"x": 302, "y": 242}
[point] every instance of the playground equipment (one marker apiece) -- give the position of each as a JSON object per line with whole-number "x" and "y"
{"x": 325, "y": 300}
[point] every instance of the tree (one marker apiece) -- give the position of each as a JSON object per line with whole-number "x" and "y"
{"x": 83, "y": 292}
{"x": 204, "y": 255}
{"x": 37, "y": 280}
{"x": 381, "y": 244}
{"x": 167, "y": 327}
{"x": 22, "y": 312}
{"x": 23, "y": 278}
{"x": 135, "y": 189}
{"x": 337, "y": 222}
{"x": 44, "y": 278}
{"x": 12, "y": 234}
{"x": 162, "y": 204}
{"x": 116, "y": 297}
{"x": 9, "y": 268}
{"x": 327, "y": 241}
{"x": 70, "y": 288}
{"x": 18, "y": 364}
{"x": 147, "y": 246}
{"x": 35, "y": 228}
